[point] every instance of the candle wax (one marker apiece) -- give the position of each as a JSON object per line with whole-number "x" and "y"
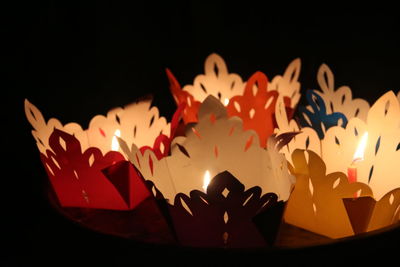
{"x": 352, "y": 174}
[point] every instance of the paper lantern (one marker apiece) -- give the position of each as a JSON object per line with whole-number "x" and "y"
{"x": 334, "y": 150}
{"x": 241, "y": 161}
{"x": 85, "y": 167}
{"x": 216, "y": 147}
{"x": 253, "y": 101}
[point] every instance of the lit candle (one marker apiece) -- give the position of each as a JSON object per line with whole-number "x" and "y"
{"x": 358, "y": 156}
{"x": 206, "y": 180}
{"x": 114, "y": 140}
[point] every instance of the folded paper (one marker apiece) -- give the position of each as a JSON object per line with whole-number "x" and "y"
{"x": 256, "y": 110}
{"x": 316, "y": 202}
{"x": 339, "y": 100}
{"x": 216, "y": 156}
{"x": 378, "y": 169}
{"x": 89, "y": 178}
{"x": 237, "y": 164}
{"x": 215, "y": 144}
{"x": 222, "y": 216}
{"x": 337, "y": 144}
{"x": 324, "y": 203}
{"x": 221, "y": 84}
{"x": 137, "y": 123}
{"x": 326, "y": 108}
{"x": 315, "y": 116}
{"x": 145, "y": 223}
{"x": 386, "y": 211}
{"x": 307, "y": 138}
{"x": 86, "y": 168}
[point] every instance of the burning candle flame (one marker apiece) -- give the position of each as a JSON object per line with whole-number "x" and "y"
{"x": 359, "y": 154}
{"x": 206, "y": 180}
{"x": 226, "y": 101}
{"x": 114, "y": 141}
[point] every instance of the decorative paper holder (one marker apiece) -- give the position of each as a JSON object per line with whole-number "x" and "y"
{"x": 241, "y": 164}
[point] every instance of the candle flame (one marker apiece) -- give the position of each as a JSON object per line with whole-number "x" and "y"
{"x": 114, "y": 141}
{"x": 359, "y": 154}
{"x": 206, "y": 180}
{"x": 226, "y": 101}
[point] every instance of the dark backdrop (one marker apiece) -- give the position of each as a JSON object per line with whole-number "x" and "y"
{"x": 74, "y": 61}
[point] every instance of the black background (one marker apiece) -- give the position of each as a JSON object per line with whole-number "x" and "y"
{"x": 75, "y": 61}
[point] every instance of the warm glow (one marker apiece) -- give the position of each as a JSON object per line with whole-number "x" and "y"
{"x": 114, "y": 141}
{"x": 226, "y": 101}
{"x": 359, "y": 154}
{"x": 206, "y": 180}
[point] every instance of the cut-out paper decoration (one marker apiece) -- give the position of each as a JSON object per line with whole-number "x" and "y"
{"x": 386, "y": 211}
{"x": 339, "y": 100}
{"x": 144, "y": 223}
{"x": 380, "y": 159}
{"x": 217, "y": 81}
{"x": 339, "y": 143}
{"x": 325, "y": 203}
{"x": 86, "y": 168}
{"x": 222, "y": 216}
{"x": 236, "y": 166}
{"x": 329, "y": 107}
{"x": 214, "y": 145}
{"x": 316, "y": 117}
{"x": 256, "y": 110}
{"x": 316, "y": 202}
{"x": 89, "y": 178}
{"x": 137, "y": 123}
{"x": 307, "y": 138}
{"x": 288, "y": 85}
{"x": 337, "y": 146}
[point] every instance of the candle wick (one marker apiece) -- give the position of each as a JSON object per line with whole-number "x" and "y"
{"x": 356, "y": 160}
